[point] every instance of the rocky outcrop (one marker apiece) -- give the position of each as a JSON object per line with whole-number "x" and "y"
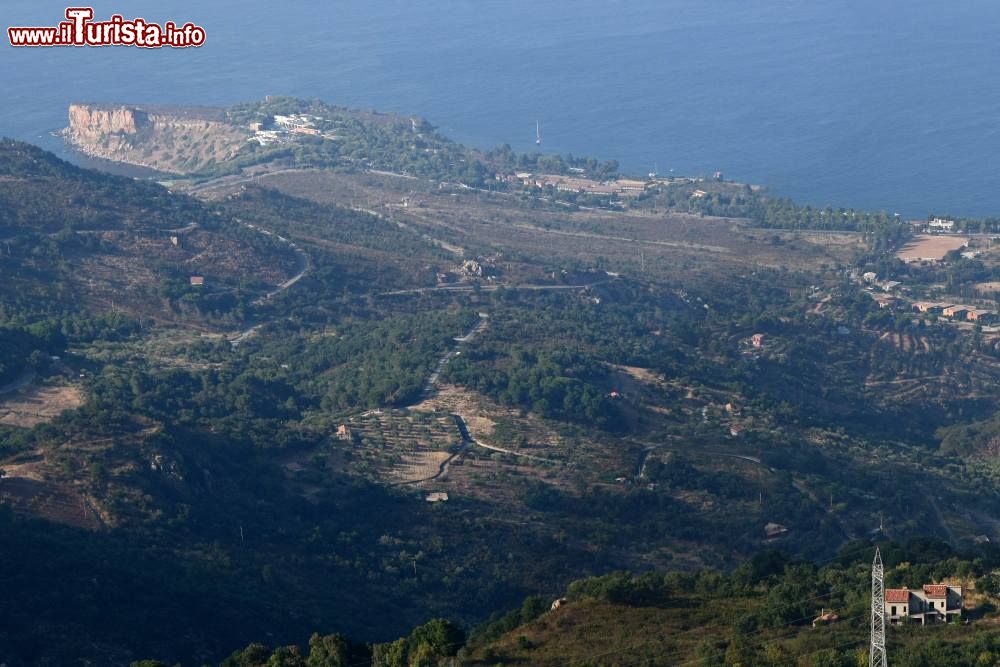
{"x": 90, "y": 124}
{"x": 180, "y": 140}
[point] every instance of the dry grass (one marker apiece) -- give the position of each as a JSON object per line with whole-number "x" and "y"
{"x": 671, "y": 242}
{"x": 38, "y": 405}
{"x": 643, "y": 375}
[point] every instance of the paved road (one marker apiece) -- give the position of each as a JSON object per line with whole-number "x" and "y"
{"x": 467, "y": 437}
{"x": 431, "y": 385}
{"x": 303, "y": 268}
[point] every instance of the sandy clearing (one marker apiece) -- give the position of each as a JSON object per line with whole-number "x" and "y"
{"x": 931, "y": 247}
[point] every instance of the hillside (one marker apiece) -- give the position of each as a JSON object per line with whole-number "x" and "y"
{"x": 769, "y": 612}
{"x": 394, "y": 396}
{"x": 168, "y": 139}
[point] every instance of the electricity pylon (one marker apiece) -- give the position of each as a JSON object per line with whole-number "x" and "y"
{"x": 876, "y": 653}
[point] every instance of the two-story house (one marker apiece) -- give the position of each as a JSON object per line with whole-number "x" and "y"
{"x": 934, "y": 603}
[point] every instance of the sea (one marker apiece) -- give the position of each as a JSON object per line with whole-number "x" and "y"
{"x": 857, "y": 103}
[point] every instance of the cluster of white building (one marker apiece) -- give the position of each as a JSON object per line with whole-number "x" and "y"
{"x": 284, "y": 129}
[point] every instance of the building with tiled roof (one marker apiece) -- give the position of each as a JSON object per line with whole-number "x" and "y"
{"x": 897, "y": 595}
{"x": 934, "y": 603}
{"x": 936, "y": 591}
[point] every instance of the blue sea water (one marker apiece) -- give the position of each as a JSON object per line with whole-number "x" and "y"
{"x": 887, "y": 104}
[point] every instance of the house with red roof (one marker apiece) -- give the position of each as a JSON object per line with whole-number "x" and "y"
{"x": 934, "y": 603}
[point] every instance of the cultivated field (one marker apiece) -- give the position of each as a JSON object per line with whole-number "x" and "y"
{"x": 400, "y": 446}
{"x": 930, "y": 247}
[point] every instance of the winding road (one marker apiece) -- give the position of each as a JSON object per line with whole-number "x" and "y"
{"x": 467, "y": 438}
{"x": 304, "y": 265}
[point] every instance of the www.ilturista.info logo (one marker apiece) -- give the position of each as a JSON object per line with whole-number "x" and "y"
{"x": 79, "y": 29}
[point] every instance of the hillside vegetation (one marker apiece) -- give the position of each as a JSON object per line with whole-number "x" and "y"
{"x": 265, "y": 452}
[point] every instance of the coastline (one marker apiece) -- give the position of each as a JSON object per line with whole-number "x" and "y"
{"x": 87, "y": 157}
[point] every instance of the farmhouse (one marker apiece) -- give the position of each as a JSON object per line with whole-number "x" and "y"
{"x": 980, "y": 315}
{"x": 197, "y": 281}
{"x": 931, "y": 306}
{"x": 956, "y": 312}
{"x": 934, "y": 603}
{"x": 941, "y": 225}
{"x": 757, "y": 340}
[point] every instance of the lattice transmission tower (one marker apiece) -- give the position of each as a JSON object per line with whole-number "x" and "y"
{"x": 876, "y": 653}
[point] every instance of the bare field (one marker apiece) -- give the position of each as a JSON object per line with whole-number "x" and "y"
{"x": 930, "y": 247}
{"x": 38, "y": 405}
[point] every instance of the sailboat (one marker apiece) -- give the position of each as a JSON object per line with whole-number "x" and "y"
{"x": 538, "y": 134}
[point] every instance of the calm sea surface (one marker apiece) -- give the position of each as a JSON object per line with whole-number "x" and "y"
{"x": 886, "y": 104}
